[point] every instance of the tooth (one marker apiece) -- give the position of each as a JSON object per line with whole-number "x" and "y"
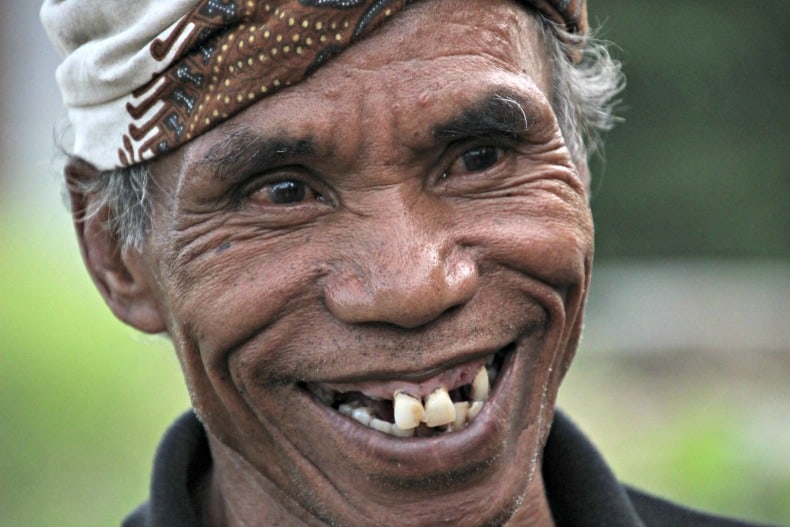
{"x": 408, "y": 411}
{"x": 363, "y": 414}
{"x": 400, "y": 432}
{"x": 480, "y": 385}
{"x": 345, "y": 409}
{"x": 381, "y": 426}
{"x": 460, "y": 415}
{"x": 439, "y": 409}
{"x": 474, "y": 409}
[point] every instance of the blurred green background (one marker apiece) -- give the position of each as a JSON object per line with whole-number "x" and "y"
{"x": 682, "y": 376}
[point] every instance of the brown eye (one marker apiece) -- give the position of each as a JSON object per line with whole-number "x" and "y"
{"x": 476, "y": 159}
{"x": 285, "y": 192}
{"x": 481, "y": 158}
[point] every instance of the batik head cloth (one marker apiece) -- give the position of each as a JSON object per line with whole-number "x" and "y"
{"x": 142, "y": 77}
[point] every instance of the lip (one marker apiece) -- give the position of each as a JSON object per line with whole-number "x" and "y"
{"x": 478, "y": 442}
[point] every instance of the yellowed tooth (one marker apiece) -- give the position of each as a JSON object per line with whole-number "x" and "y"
{"x": 480, "y": 385}
{"x": 363, "y": 414}
{"x": 460, "y": 415}
{"x": 381, "y": 426}
{"x": 400, "y": 432}
{"x": 439, "y": 409}
{"x": 408, "y": 411}
{"x": 474, "y": 409}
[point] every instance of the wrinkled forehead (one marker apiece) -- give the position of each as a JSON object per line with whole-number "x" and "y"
{"x": 502, "y": 34}
{"x": 141, "y": 78}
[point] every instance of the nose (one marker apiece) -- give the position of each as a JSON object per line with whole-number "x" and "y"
{"x": 408, "y": 279}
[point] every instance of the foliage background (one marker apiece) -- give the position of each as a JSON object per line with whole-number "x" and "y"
{"x": 701, "y": 165}
{"x": 697, "y": 175}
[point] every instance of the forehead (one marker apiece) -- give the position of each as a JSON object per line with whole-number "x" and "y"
{"x": 496, "y": 33}
{"x": 431, "y": 61}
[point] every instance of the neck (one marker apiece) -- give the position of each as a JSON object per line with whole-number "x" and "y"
{"x": 234, "y": 494}
{"x": 534, "y": 511}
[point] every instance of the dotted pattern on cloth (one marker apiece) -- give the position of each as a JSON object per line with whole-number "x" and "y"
{"x": 235, "y": 53}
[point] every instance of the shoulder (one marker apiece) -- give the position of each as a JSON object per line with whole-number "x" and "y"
{"x": 657, "y": 512}
{"x": 182, "y": 456}
{"x": 583, "y": 490}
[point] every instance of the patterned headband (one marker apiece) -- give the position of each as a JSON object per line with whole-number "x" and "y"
{"x": 140, "y": 78}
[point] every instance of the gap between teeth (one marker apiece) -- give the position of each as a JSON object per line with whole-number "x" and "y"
{"x": 437, "y": 410}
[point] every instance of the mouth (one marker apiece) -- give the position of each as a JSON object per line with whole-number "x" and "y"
{"x": 432, "y": 404}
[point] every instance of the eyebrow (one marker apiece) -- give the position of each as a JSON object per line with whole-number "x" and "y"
{"x": 244, "y": 150}
{"x": 496, "y": 115}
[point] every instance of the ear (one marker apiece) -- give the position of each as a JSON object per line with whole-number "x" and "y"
{"x": 122, "y": 278}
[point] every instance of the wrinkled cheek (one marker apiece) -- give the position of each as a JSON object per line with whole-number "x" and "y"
{"x": 211, "y": 319}
{"x": 553, "y": 252}
{"x": 229, "y": 301}
{"x": 570, "y": 251}
{"x": 206, "y": 388}
{"x": 220, "y": 400}
{"x": 554, "y": 249}
{"x": 233, "y": 320}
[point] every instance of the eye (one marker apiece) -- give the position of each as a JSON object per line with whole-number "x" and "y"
{"x": 475, "y": 159}
{"x": 284, "y": 192}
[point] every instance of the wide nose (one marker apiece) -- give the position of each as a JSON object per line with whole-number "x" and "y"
{"x": 405, "y": 273}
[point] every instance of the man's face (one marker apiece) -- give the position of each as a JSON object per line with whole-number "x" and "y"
{"x": 406, "y": 215}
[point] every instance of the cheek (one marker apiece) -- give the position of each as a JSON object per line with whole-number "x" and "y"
{"x": 546, "y": 232}
{"x": 223, "y": 296}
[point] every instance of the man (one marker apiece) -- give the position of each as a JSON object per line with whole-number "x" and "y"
{"x": 364, "y": 224}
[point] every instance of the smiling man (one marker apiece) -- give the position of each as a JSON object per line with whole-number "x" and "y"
{"x": 365, "y": 227}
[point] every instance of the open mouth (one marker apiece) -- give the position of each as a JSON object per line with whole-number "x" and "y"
{"x": 445, "y": 403}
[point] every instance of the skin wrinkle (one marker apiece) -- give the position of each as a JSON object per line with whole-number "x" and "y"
{"x": 463, "y": 126}
{"x": 284, "y": 500}
{"x": 252, "y": 320}
{"x": 576, "y": 324}
{"x": 390, "y": 340}
{"x": 284, "y": 442}
{"x": 502, "y": 32}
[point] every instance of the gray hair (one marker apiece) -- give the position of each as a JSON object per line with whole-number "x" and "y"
{"x": 584, "y": 99}
{"x": 125, "y": 193}
{"x": 586, "y": 92}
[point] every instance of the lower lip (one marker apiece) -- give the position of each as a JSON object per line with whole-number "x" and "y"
{"x": 479, "y": 441}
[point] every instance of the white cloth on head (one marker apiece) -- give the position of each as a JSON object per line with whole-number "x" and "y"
{"x": 105, "y": 45}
